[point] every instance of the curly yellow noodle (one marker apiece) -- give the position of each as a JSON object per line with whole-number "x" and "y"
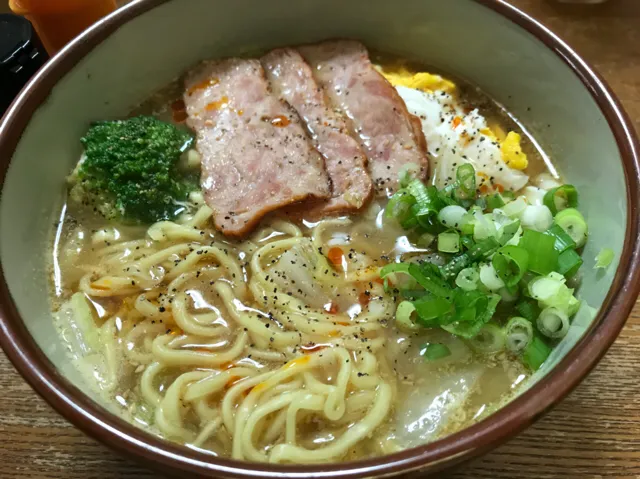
{"x": 276, "y": 427}
{"x": 169, "y": 231}
{"x": 305, "y": 401}
{"x": 146, "y": 306}
{"x": 201, "y": 218}
{"x": 205, "y": 411}
{"x": 252, "y": 323}
{"x": 234, "y": 376}
{"x": 375, "y": 416}
{"x": 243, "y": 443}
{"x": 276, "y": 229}
{"x": 144, "y": 332}
{"x": 168, "y": 355}
{"x": 207, "y": 431}
{"x": 170, "y": 411}
{"x": 322, "y": 226}
{"x": 189, "y": 324}
{"x": 215, "y": 382}
{"x": 147, "y": 387}
{"x": 230, "y": 400}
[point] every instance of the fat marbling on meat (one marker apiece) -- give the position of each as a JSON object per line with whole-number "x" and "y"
{"x": 256, "y": 155}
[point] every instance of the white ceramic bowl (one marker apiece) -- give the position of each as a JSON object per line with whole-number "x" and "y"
{"x": 121, "y": 60}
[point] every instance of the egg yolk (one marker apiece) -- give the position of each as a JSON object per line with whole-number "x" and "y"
{"x": 510, "y": 146}
{"x": 419, "y": 81}
{"x": 495, "y": 132}
{"x": 512, "y": 153}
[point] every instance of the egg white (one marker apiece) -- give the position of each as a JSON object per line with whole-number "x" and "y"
{"x": 452, "y": 142}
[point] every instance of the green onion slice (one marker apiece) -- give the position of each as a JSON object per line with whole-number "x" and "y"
{"x": 466, "y": 182}
{"x": 467, "y": 227}
{"x": 483, "y": 249}
{"x": 604, "y": 258}
{"x": 543, "y": 257}
{"x": 573, "y": 223}
{"x": 535, "y": 354}
{"x": 452, "y": 216}
{"x": 563, "y": 240}
{"x": 425, "y": 240}
{"x": 476, "y": 252}
{"x": 432, "y": 310}
{"x": 553, "y": 323}
{"x": 551, "y": 290}
{"x": 467, "y": 279}
{"x": 543, "y": 288}
{"x": 394, "y": 268}
{"x": 404, "y": 313}
{"x": 495, "y": 201}
{"x": 434, "y": 351}
{"x": 426, "y": 219}
{"x": 490, "y": 339}
{"x": 489, "y": 278}
{"x": 399, "y": 205}
{"x": 428, "y": 276}
{"x": 515, "y": 208}
{"x": 407, "y": 174}
{"x": 528, "y": 310}
{"x": 508, "y": 196}
{"x": 412, "y": 293}
{"x": 561, "y": 198}
{"x": 569, "y": 263}
{"x": 511, "y": 263}
{"x": 518, "y": 334}
{"x": 484, "y": 226}
{"x": 455, "y": 265}
{"x": 467, "y": 242}
{"x": 449, "y": 242}
{"x": 509, "y": 232}
{"x": 469, "y": 329}
{"x": 469, "y": 306}
{"x": 426, "y": 197}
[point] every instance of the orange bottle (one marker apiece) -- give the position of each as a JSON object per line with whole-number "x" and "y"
{"x": 59, "y": 21}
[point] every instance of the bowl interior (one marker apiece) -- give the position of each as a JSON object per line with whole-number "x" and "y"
{"x": 462, "y": 37}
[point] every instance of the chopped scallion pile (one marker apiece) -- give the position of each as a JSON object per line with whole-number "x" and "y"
{"x": 501, "y": 285}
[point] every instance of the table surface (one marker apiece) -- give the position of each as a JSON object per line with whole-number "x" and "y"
{"x": 595, "y": 432}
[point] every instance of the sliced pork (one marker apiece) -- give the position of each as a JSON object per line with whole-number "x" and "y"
{"x": 291, "y": 78}
{"x": 256, "y": 155}
{"x": 390, "y": 136}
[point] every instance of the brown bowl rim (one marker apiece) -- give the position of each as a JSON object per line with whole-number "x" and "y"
{"x": 96, "y": 421}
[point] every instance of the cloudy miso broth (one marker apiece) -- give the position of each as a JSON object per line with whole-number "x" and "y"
{"x": 438, "y": 397}
{"x": 313, "y": 338}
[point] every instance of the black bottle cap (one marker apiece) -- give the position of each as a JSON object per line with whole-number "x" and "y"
{"x": 21, "y": 54}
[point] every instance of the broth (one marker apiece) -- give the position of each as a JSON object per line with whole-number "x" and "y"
{"x": 164, "y": 304}
{"x": 470, "y": 383}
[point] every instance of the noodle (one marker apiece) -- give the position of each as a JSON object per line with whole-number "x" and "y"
{"x": 219, "y": 371}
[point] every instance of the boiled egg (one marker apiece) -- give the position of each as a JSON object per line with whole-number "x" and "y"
{"x": 456, "y": 136}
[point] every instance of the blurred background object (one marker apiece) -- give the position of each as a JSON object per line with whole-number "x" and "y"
{"x": 59, "y": 21}
{"x": 592, "y": 2}
{"x": 37, "y": 29}
{"x": 21, "y": 54}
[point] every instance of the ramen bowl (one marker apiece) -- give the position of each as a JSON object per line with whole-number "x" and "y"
{"x": 119, "y": 61}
